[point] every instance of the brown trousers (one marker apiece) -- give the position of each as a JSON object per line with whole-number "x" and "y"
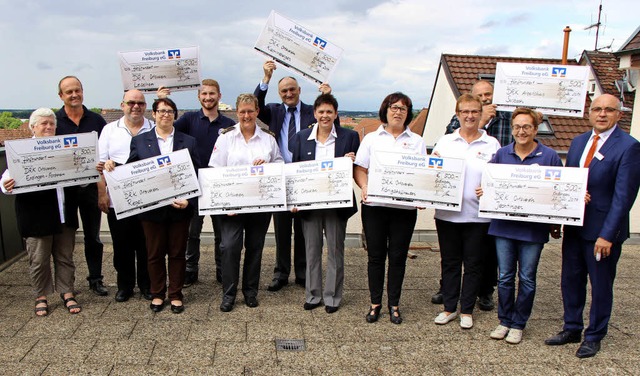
{"x": 166, "y": 239}
{"x": 40, "y": 250}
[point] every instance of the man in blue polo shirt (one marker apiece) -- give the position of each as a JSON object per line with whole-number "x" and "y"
{"x": 205, "y": 125}
{"x": 72, "y": 118}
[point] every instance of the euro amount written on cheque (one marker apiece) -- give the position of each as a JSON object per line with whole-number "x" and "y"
{"x": 49, "y": 162}
{"x": 242, "y": 189}
{"x": 543, "y": 194}
{"x": 416, "y": 180}
{"x": 321, "y": 184}
{"x": 144, "y": 185}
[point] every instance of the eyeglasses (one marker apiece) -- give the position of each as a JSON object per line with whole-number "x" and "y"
{"x": 165, "y": 112}
{"x": 524, "y": 127}
{"x": 607, "y": 110}
{"x": 401, "y": 109}
{"x": 133, "y": 103}
{"x": 470, "y": 112}
{"x": 247, "y": 112}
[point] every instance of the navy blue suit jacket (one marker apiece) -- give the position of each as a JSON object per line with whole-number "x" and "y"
{"x": 613, "y": 185}
{"x": 272, "y": 114}
{"x": 304, "y": 149}
{"x": 144, "y": 146}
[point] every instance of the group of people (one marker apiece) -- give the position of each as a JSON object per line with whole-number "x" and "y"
{"x": 160, "y": 249}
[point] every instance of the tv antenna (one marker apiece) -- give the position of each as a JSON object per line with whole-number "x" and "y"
{"x": 597, "y": 26}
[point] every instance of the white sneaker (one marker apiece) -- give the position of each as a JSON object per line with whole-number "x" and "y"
{"x": 499, "y": 332}
{"x": 514, "y": 337}
{"x": 466, "y": 322}
{"x": 443, "y": 318}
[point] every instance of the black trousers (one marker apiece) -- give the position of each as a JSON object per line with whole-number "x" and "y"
{"x": 253, "y": 227}
{"x": 388, "y": 232}
{"x": 90, "y": 216}
{"x": 282, "y": 227}
{"x": 193, "y": 244}
{"x": 462, "y": 244}
{"x": 129, "y": 252}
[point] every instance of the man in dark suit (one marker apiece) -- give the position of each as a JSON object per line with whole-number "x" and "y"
{"x": 285, "y": 120}
{"x": 593, "y": 249}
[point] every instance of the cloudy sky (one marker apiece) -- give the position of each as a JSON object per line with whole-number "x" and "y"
{"x": 389, "y": 45}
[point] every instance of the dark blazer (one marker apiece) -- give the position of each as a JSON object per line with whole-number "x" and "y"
{"x": 272, "y": 114}
{"x": 304, "y": 149}
{"x": 38, "y": 215}
{"x": 613, "y": 185}
{"x": 144, "y": 146}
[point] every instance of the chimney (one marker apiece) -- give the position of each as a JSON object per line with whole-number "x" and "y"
{"x": 565, "y": 47}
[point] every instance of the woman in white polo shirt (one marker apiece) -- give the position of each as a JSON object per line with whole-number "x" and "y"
{"x": 463, "y": 235}
{"x": 388, "y": 228}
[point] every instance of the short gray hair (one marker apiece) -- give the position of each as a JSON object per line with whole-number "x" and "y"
{"x": 39, "y": 113}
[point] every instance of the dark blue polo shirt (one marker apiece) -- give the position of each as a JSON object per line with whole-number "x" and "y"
{"x": 89, "y": 122}
{"x": 524, "y": 231}
{"x": 196, "y": 124}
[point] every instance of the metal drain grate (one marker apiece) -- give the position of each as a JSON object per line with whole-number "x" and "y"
{"x": 290, "y": 344}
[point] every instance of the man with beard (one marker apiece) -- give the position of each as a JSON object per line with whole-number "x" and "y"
{"x": 497, "y": 124}
{"x": 73, "y": 118}
{"x": 205, "y": 125}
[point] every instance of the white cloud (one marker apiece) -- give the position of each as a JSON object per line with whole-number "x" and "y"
{"x": 389, "y": 45}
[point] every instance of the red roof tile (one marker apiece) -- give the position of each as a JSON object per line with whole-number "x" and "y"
{"x": 605, "y": 66}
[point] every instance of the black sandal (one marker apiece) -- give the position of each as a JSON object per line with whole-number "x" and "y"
{"x": 44, "y": 309}
{"x": 73, "y": 306}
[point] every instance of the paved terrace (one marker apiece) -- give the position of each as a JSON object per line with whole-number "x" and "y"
{"x": 110, "y": 338}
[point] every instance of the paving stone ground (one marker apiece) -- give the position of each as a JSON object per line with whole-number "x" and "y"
{"x": 110, "y": 338}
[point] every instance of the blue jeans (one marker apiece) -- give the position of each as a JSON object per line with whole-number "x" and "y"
{"x": 524, "y": 257}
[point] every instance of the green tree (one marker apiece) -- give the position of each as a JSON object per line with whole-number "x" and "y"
{"x": 7, "y": 121}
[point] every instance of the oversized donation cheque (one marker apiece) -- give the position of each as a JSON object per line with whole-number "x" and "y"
{"x": 48, "y": 162}
{"x": 242, "y": 189}
{"x": 150, "y": 183}
{"x": 416, "y": 180}
{"x": 541, "y": 194}
{"x": 321, "y": 184}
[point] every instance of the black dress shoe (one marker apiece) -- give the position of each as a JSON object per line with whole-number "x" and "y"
{"x": 394, "y": 315}
{"x": 146, "y": 294}
{"x": 588, "y": 349}
{"x": 277, "y": 284}
{"x": 177, "y": 308}
{"x": 98, "y": 288}
{"x": 563, "y": 338}
{"x": 310, "y": 306}
{"x": 301, "y": 282}
{"x": 190, "y": 278}
{"x": 485, "y": 302}
{"x": 123, "y": 295}
{"x": 251, "y": 301}
{"x": 373, "y": 314}
{"x": 226, "y": 306}
{"x": 331, "y": 309}
{"x": 156, "y": 307}
{"x": 437, "y": 298}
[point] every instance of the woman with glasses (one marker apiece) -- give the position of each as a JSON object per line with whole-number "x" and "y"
{"x": 463, "y": 235}
{"x": 166, "y": 228}
{"x": 243, "y": 144}
{"x": 388, "y": 228}
{"x": 519, "y": 244}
